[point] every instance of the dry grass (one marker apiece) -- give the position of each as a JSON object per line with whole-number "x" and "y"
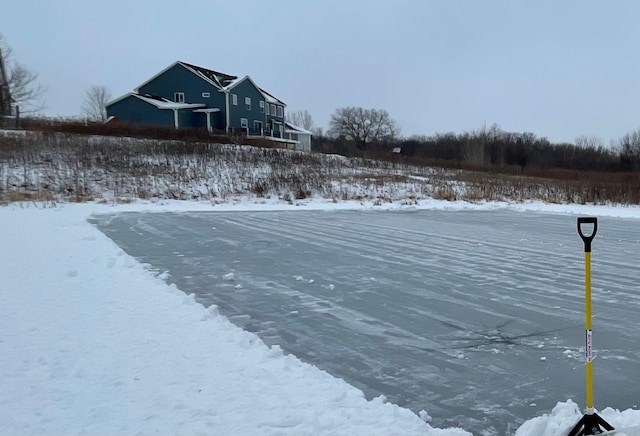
{"x": 50, "y": 166}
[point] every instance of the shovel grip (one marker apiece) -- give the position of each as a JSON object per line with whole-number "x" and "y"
{"x": 587, "y": 238}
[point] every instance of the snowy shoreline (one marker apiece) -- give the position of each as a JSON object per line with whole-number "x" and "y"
{"x": 93, "y": 342}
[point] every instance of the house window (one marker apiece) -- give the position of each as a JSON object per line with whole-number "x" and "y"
{"x": 178, "y": 97}
{"x": 247, "y": 102}
{"x": 261, "y": 106}
{"x": 257, "y": 126}
{"x": 280, "y": 111}
{"x": 234, "y": 99}
{"x": 244, "y": 123}
{"x": 273, "y": 109}
{"x": 206, "y": 94}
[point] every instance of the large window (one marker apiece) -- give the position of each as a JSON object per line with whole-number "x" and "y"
{"x": 247, "y": 102}
{"x": 261, "y": 106}
{"x": 280, "y": 111}
{"x": 273, "y": 109}
{"x": 178, "y": 97}
{"x": 257, "y": 126}
{"x": 234, "y": 99}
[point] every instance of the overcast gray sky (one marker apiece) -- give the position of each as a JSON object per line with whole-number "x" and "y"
{"x": 555, "y": 68}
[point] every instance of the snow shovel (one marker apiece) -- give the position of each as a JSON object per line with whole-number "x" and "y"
{"x": 590, "y": 423}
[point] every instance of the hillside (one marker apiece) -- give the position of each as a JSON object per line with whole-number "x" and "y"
{"x": 63, "y": 167}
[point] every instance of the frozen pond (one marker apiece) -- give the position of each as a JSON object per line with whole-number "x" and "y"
{"x": 476, "y": 317}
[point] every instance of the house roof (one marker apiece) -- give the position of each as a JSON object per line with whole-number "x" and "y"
{"x": 159, "y": 102}
{"x": 163, "y": 103}
{"x": 221, "y": 80}
{"x": 270, "y": 98}
{"x": 295, "y": 129}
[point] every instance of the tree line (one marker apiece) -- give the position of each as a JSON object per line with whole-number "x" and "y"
{"x": 482, "y": 147}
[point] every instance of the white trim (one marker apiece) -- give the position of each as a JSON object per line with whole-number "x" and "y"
{"x": 294, "y": 128}
{"x": 206, "y": 95}
{"x": 237, "y": 82}
{"x": 191, "y": 70}
{"x": 226, "y": 102}
{"x": 234, "y": 99}
{"x": 265, "y": 94}
{"x": 261, "y": 125}
{"x": 157, "y": 75}
{"x": 122, "y": 97}
{"x": 178, "y": 97}
{"x": 175, "y": 118}
{"x": 275, "y": 138}
{"x": 246, "y": 123}
{"x": 208, "y": 110}
{"x": 270, "y": 98}
{"x": 168, "y": 104}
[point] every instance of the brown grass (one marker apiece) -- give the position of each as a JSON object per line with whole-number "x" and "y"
{"x": 49, "y": 165}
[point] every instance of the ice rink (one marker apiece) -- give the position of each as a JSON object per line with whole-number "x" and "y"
{"x": 474, "y": 316}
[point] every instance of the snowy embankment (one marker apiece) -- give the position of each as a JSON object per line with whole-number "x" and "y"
{"x": 93, "y": 342}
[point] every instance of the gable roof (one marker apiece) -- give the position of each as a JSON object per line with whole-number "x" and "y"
{"x": 222, "y": 81}
{"x": 270, "y": 98}
{"x": 217, "y": 79}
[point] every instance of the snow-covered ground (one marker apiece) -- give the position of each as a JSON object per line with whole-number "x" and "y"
{"x": 93, "y": 342}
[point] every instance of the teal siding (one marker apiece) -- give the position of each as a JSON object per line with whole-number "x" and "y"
{"x": 236, "y": 113}
{"x": 180, "y": 79}
{"x": 135, "y": 111}
{"x": 187, "y": 119}
{"x": 244, "y": 89}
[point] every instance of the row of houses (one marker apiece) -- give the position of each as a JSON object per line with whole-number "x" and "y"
{"x": 184, "y": 95}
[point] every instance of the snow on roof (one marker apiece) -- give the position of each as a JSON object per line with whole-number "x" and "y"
{"x": 295, "y": 129}
{"x": 228, "y": 81}
{"x": 219, "y": 79}
{"x": 223, "y": 81}
{"x": 270, "y": 98}
{"x": 163, "y": 103}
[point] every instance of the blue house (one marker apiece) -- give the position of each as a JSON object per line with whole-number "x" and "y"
{"x": 187, "y": 96}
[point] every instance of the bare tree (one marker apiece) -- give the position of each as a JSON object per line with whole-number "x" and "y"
{"x": 363, "y": 126}
{"x": 95, "y": 99}
{"x": 629, "y": 150}
{"x": 23, "y": 83}
{"x": 592, "y": 142}
{"x": 317, "y": 132}
{"x": 301, "y": 119}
